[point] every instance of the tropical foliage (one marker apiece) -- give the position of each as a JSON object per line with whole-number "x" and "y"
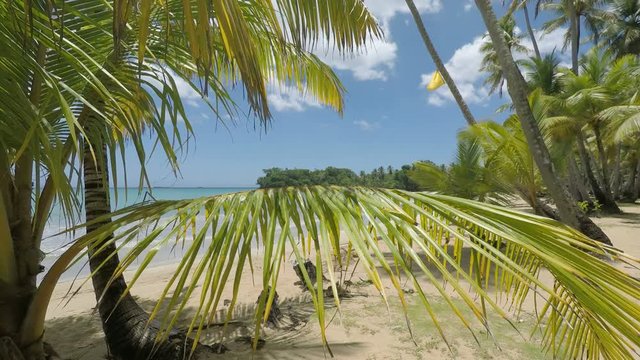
{"x": 389, "y": 178}
{"x": 79, "y": 80}
{"x": 474, "y": 247}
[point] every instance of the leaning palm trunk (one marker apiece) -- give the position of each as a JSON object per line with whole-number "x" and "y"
{"x": 440, "y": 65}
{"x": 128, "y": 331}
{"x": 568, "y": 210}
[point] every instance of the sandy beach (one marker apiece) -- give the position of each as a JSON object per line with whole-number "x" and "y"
{"x": 365, "y": 329}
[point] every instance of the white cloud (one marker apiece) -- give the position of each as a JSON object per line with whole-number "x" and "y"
{"x": 379, "y": 58}
{"x": 385, "y": 10}
{"x": 464, "y": 67}
{"x": 186, "y": 91}
{"x": 366, "y": 125}
{"x": 372, "y": 65}
{"x": 289, "y": 98}
{"x": 468, "y": 5}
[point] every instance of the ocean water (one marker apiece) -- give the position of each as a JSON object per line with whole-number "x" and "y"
{"x": 57, "y": 238}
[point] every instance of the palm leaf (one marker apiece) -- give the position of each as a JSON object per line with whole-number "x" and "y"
{"x": 588, "y": 310}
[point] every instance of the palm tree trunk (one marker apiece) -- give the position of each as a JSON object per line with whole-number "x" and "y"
{"x": 576, "y": 181}
{"x": 128, "y": 331}
{"x": 439, "y": 64}
{"x": 636, "y": 188}
{"x": 603, "y": 160}
{"x": 629, "y": 193}
{"x": 615, "y": 181}
{"x": 604, "y": 198}
{"x": 574, "y": 28}
{"x": 568, "y": 210}
{"x": 532, "y": 34}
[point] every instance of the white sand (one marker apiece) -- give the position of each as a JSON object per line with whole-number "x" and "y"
{"x": 366, "y": 329}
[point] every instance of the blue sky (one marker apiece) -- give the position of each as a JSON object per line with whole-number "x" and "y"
{"x": 389, "y": 118}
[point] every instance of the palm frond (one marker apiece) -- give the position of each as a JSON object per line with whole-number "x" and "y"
{"x": 588, "y": 310}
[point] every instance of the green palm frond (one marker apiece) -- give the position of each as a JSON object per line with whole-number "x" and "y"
{"x": 588, "y": 310}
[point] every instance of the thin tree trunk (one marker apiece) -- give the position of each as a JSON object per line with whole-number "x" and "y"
{"x": 629, "y": 192}
{"x": 603, "y": 160}
{"x": 604, "y": 198}
{"x": 532, "y": 34}
{"x": 439, "y": 64}
{"x": 574, "y": 28}
{"x": 568, "y": 210}
{"x": 576, "y": 181}
{"x": 615, "y": 181}
{"x": 636, "y": 187}
{"x": 28, "y": 257}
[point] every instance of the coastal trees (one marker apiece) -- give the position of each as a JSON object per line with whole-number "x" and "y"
{"x": 495, "y": 79}
{"x": 518, "y": 90}
{"x": 470, "y": 176}
{"x": 390, "y": 178}
{"x": 619, "y": 26}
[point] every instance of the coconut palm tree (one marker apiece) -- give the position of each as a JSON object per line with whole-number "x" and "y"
{"x": 543, "y": 73}
{"x": 619, "y": 26}
{"x": 236, "y": 221}
{"x": 570, "y": 13}
{"x": 490, "y": 64}
{"x": 518, "y": 90}
{"x": 75, "y": 83}
{"x": 470, "y": 176}
{"x": 440, "y": 67}
{"x": 506, "y": 149}
{"x": 524, "y": 5}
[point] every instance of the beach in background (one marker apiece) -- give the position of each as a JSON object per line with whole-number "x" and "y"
{"x": 57, "y": 239}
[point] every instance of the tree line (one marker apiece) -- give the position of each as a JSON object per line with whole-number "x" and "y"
{"x": 381, "y": 177}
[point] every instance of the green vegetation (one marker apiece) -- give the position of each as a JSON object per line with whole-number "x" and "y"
{"x": 81, "y": 79}
{"x": 388, "y": 178}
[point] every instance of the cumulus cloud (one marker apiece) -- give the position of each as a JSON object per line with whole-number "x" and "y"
{"x": 366, "y": 125}
{"x": 381, "y": 54}
{"x": 186, "y": 91}
{"x": 375, "y": 64}
{"x": 464, "y": 67}
{"x": 289, "y": 98}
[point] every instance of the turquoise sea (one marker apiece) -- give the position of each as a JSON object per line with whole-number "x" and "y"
{"x": 56, "y": 239}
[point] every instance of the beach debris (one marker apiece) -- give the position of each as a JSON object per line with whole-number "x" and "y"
{"x": 311, "y": 271}
{"x": 275, "y": 315}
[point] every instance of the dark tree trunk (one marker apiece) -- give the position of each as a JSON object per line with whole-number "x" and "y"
{"x": 576, "y": 181}
{"x": 129, "y": 334}
{"x": 574, "y": 28}
{"x": 615, "y": 181}
{"x": 630, "y": 194}
{"x": 532, "y": 34}
{"x": 604, "y": 198}
{"x": 606, "y": 179}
